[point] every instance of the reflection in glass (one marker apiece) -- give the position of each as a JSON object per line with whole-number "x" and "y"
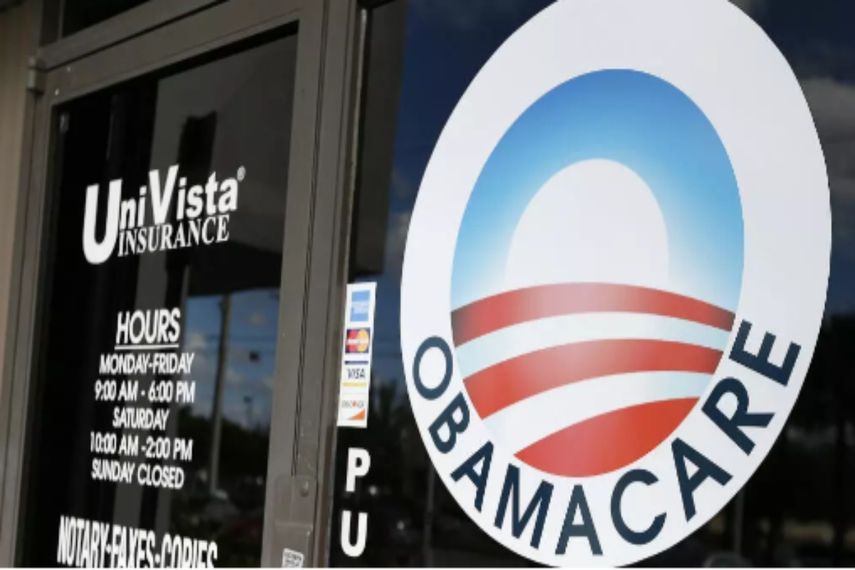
{"x": 79, "y": 14}
{"x": 798, "y": 508}
{"x": 226, "y": 116}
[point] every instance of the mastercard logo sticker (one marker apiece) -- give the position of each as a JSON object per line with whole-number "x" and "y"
{"x": 358, "y": 341}
{"x": 614, "y": 276}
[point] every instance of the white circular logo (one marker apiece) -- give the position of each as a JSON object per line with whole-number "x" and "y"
{"x": 614, "y": 276}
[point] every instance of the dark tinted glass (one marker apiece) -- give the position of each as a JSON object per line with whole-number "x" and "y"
{"x": 152, "y": 407}
{"x": 798, "y": 508}
{"x": 79, "y": 14}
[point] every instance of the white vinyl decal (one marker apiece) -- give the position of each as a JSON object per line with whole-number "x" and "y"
{"x": 615, "y": 276}
{"x": 355, "y": 380}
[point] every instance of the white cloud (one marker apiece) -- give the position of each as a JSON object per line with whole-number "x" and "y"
{"x": 467, "y": 14}
{"x": 234, "y": 377}
{"x": 196, "y": 341}
{"x": 396, "y": 240}
{"x": 402, "y": 186}
{"x": 267, "y": 380}
{"x": 258, "y": 319}
{"x": 832, "y": 103}
{"x": 751, "y": 7}
{"x": 843, "y": 204}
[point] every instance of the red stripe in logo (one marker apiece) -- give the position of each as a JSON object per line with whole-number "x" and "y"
{"x": 609, "y": 441}
{"x": 508, "y": 382}
{"x": 513, "y": 307}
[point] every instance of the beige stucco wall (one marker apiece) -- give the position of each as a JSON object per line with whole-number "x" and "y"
{"x": 18, "y": 41}
{"x": 18, "y": 33}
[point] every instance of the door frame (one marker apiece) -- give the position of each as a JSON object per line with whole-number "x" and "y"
{"x": 149, "y": 37}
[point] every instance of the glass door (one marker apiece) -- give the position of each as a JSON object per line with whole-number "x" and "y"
{"x": 174, "y": 264}
{"x": 152, "y": 417}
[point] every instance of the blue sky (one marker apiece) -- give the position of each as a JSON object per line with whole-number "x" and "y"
{"x": 250, "y": 360}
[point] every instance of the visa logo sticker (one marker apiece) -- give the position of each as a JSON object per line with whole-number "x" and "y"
{"x": 355, "y": 376}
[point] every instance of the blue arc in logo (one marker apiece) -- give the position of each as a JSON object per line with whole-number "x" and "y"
{"x": 641, "y": 122}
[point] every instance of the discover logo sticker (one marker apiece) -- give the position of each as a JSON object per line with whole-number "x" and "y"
{"x": 614, "y": 276}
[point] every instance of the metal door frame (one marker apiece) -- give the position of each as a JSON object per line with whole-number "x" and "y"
{"x": 147, "y": 38}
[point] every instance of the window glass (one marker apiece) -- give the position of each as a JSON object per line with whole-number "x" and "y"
{"x": 798, "y": 508}
{"x": 153, "y": 390}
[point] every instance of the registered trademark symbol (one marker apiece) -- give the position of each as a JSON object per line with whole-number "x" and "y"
{"x": 241, "y": 174}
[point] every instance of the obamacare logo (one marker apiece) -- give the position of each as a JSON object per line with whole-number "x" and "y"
{"x": 614, "y": 276}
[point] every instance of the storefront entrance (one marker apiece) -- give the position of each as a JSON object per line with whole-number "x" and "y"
{"x": 204, "y": 181}
{"x": 168, "y": 399}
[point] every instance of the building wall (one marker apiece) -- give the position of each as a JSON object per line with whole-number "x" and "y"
{"x": 18, "y": 41}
